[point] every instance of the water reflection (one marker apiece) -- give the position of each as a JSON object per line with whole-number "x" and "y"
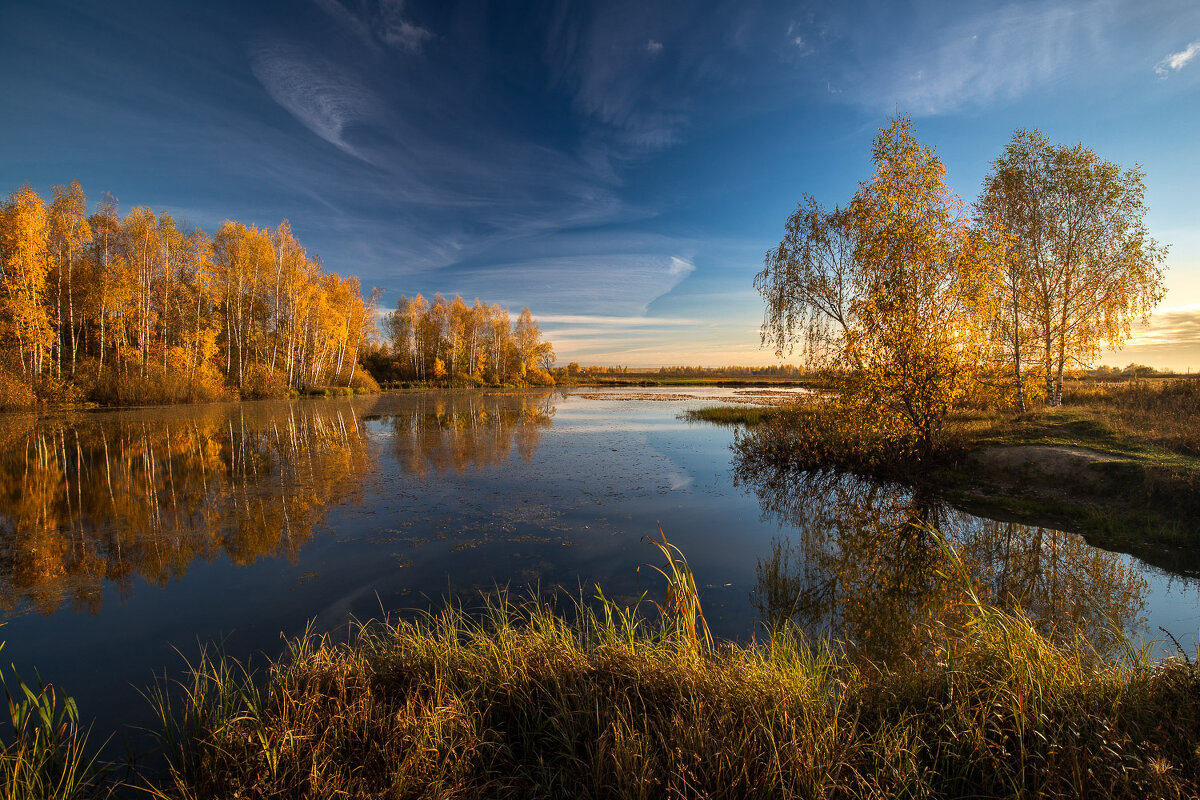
{"x": 865, "y": 567}
{"x": 442, "y": 433}
{"x": 114, "y": 496}
{"x": 107, "y": 497}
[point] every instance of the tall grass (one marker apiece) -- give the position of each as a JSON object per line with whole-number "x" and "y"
{"x": 744, "y": 414}
{"x": 517, "y": 701}
{"x": 47, "y": 755}
{"x": 1161, "y": 412}
{"x": 514, "y": 699}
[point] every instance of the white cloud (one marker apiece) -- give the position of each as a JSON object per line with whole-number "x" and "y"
{"x": 1177, "y": 61}
{"x": 999, "y": 54}
{"x": 653, "y": 47}
{"x": 680, "y": 268}
{"x": 398, "y": 31}
{"x": 320, "y": 95}
{"x": 614, "y": 285}
{"x": 628, "y": 322}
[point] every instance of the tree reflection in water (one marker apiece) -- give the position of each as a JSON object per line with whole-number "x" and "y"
{"x": 451, "y": 432}
{"x": 864, "y": 567}
{"x": 94, "y": 498}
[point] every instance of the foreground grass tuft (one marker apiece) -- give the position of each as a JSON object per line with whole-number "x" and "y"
{"x": 47, "y": 754}
{"x": 521, "y": 702}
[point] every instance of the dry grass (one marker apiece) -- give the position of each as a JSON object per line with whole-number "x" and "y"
{"x": 523, "y": 703}
{"x": 1162, "y": 413}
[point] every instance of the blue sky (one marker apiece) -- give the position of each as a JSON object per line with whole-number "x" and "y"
{"x": 619, "y": 167}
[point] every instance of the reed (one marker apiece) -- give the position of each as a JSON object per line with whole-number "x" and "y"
{"x": 517, "y": 700}
{"x": 47, "y": 755}
{"x": 742, "y": 414}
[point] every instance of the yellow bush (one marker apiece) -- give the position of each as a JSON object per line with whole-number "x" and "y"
{"x": 15, "y": 392}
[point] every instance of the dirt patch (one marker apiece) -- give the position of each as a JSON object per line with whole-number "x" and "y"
{"x": 1051, "y": 461}
{"x": 1048, "y": 471}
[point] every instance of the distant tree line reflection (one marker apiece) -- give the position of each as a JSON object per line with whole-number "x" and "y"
{"x": 440, "y": 433}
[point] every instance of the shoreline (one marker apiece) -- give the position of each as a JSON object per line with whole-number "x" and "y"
{"x": 1058, "y": 468}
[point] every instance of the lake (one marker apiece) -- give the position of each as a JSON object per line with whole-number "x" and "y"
{"x": 129, "y": 538}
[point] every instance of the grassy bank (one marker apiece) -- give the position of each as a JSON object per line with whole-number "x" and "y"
{"x": 1119, "y": 462}
{"x": 526, "y": 704}
{"x": 595, "y": 700}
{"x": 520, "y": 701}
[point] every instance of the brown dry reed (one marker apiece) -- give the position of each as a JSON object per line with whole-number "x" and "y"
{"x": 521, "y": 701}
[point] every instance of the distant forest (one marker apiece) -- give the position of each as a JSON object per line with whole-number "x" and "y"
{"x": 140, "y": 309}
{"x": 450, "y": 342}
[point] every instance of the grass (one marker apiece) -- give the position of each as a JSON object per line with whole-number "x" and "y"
{"x": 743, "y": 414}
{"x": 1150, "y": 435}
{"x": 47, "y": 754}
{"x": 595, "y": 700}
{"x": 525, "y": 702}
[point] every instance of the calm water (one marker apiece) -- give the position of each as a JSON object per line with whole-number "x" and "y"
{"x": 127, "y": 538}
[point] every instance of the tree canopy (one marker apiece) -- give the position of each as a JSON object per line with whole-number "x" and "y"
{"x": 884, "y": 290}
{"x": 1078, "y": 265}
{"x": 143, "y": 309}
{"x": 917, "y": 305}
{"x": 452, "y": 341}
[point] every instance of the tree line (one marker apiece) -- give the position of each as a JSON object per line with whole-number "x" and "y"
{"x": 920, "y": 302}
{"x": 448, "y": 341}
{"x": 140, "y": 308}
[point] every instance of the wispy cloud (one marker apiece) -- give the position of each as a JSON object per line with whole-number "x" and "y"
{"x": 640, "y": 92}
{"x": 379, "y": 22}
{"x": 322, "y": 96}
{"x": 625, "y": 322}
{"x": 996, "y": 55}
{"x": 593, "y": 285}
{"x": 1177, "y": 61}
{"x": 396, "y": 30}
{"x": 1171, "y": 340}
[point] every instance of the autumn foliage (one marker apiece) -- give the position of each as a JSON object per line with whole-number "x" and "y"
{"x": 452, "y": 342}
{"x": 920, "y": 305}
{"x": 139, "y": 309}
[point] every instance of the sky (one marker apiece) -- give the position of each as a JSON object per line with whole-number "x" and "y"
{"x": 619, "y": 167}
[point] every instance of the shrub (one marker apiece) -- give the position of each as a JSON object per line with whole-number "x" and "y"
{"x": 155, "y": 387}
{"x": 15, "y": 392}
{"x": 364, "y": 383}
{"x": 261, "y": 382}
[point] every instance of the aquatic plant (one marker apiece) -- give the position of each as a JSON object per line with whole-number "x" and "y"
{"x": 47, "y": 755}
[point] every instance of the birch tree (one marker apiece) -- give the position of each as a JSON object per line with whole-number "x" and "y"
{"x": 1082, "y": 264}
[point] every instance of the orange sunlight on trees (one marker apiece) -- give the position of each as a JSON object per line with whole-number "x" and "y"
{"x": 918, "y": 307}
{"x": 140, "y": 310}
{"x": 467, "y": 345}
